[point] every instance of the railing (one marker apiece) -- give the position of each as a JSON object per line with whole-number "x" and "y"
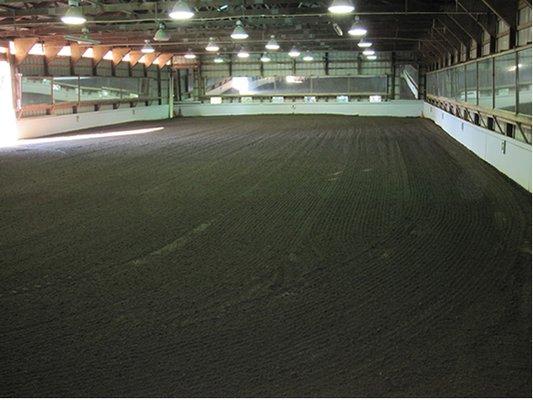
{"x": 516, "y": 126}
{"x": 47, "y": 94}
{"x": 298, "y": 86}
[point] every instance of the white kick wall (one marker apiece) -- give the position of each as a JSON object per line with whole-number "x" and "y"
{"x": 396, "y": 108}
{"x": 510, "y": 156}
{"x": 33, "y": 127}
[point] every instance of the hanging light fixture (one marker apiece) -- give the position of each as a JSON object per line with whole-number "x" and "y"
{"x": 190, "y": 55}
{"x": 181, "y": 11}
{"x": 337, "y": 29}
{"x": 218, "y": 59}
{"x": 364, "y": 44}
{"x": 211, "y": 45}
{"x": 243, "y": 53}
{"x": 147, "y": 48}
{"x": 372, "y": 58}
{"x": 265, "y": 58}
{"x": 239, "y": 33}
{"x": 369, "y": 52}
{"x": 308, "y": 57}
{"x": 162, "y": 35}
{"x": 357, "y": 29}
{"x": 74, "y": 14}
{"x": 341, "y": 7}
{"x": 272, "y": 44}
{"x": 294, "y": 52}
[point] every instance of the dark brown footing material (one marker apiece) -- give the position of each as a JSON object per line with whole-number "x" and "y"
{"x": 263, "y": 256}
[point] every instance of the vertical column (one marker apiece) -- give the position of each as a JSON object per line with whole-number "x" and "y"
{"x": 393, "y": 76}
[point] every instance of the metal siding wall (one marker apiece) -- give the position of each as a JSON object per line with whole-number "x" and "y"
{"x": 524, "y": 24}
{"x": 485, "y": 40}
{"x": 60, "y": 66}
{"x": 281, "y": 65}
{"x": 502, "y": 43}
{"x": 138, "y": 70}
{"x": 152, "y": 71}
{"x": 340, "y": 64}
{"x": 122, "y": 69}
{"x": 84, "y": 67}
{"x": 246, "y": 68}
{"x": 103, "y": 68}
{"x": 32, "y": 66}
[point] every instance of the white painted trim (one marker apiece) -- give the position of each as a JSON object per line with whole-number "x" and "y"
{"x": 33, "y": 127}
{"x": 515, "y": 161}
{"x": 396, "y": 108}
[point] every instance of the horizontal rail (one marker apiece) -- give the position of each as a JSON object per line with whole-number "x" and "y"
{"x": 520, "y": 121}
{"x": 297, "y": 94}
{"x": 69, "y": 104}
{"x": 507, "y": 116}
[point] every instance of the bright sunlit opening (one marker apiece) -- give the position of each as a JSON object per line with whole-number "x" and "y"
{"x": 294, "y": 79}
{"x": 241, "y": 84}
{"x": 37, "y": 49}
{"x": 8, "y": 133}
{"x": 88, "y": 136}
{"x": 88, "y": 53}
{"x": 108, "y": 55}
{"x": 65, "y": 52}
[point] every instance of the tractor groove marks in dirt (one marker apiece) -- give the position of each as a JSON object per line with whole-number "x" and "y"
{"x": 172, "y": 246}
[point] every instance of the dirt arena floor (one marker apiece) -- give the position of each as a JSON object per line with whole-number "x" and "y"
{"x": 262, "y": 256}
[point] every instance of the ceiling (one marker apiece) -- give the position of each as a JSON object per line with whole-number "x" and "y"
{"x": 428, "y": 27}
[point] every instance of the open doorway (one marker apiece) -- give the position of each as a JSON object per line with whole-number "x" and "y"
{"x": 8, "y": 133}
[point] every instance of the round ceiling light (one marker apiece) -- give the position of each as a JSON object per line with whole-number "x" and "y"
{"x": 272, "y": 44}
{"x": 243, "y": 53}
{"x": 364, "y": 44}
{"x": 162, "y": 35}
{"x": 239, "y": 33}
{"x": 74, "y": 15}
{"x": 357, "y": 30}
{"x": 181, "y": 11}
{"x": 294, "y": 52}
{"x": 341, "y": 7}
{"x": 211, "y": 45}
{"x": 147, "y": 48}
{"x": 190, "y": 55}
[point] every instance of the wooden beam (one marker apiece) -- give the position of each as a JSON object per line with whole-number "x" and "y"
{"x": 149, "y": 59}
{"x": 98, "y": 53}
{"x": 22, "y": 48}
{"x": 163, "y": 59}
{"x": 51, "y": 50}
{"x": 119, "y": 53}
{"x": 76, "y": 51}
{"x": 135, "y": 56}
